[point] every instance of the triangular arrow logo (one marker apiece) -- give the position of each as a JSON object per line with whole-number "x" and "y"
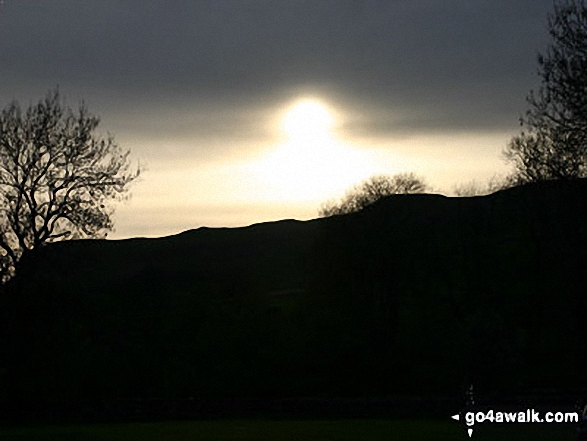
{"x": 455, "y": 417}
{"x": 470, "y": 432}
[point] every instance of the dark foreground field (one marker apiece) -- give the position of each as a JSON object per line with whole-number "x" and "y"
{"x": 329, "y": 430}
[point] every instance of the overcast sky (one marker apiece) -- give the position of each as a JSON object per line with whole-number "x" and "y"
{"x": 198, "y": 89}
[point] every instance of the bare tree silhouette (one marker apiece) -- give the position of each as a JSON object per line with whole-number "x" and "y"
{"x": 553, "y": 143}
{"x": 371, "y": 190}
{"x": 56, "y": 177}
{"x": 476, "y": 188}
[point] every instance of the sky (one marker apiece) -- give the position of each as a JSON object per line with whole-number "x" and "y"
{"x": 246, "y": 111}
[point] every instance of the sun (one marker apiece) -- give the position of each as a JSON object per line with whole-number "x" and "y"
{"x": 311, "y": 164}
{"x": 307, "y": 119}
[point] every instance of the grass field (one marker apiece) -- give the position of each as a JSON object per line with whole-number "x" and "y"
{"x": 330, "y": 430}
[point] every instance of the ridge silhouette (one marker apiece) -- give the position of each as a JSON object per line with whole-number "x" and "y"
{"x": 413, "y": 295}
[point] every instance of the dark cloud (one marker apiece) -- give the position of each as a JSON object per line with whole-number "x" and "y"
{"x": 405, "y": 65}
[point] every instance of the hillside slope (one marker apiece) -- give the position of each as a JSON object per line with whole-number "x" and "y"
{"x": 415, "y": 294}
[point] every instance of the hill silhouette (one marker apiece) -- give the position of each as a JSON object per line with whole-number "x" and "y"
{"x": 416, "y": 294}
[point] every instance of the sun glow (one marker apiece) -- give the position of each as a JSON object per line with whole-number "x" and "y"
{"x": 311, "y": 164}
{"x": 307, "y": 120}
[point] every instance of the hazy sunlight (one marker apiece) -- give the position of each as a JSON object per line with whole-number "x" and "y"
{"x": 312, "y": 164}
{"x": 307, "y": 120}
